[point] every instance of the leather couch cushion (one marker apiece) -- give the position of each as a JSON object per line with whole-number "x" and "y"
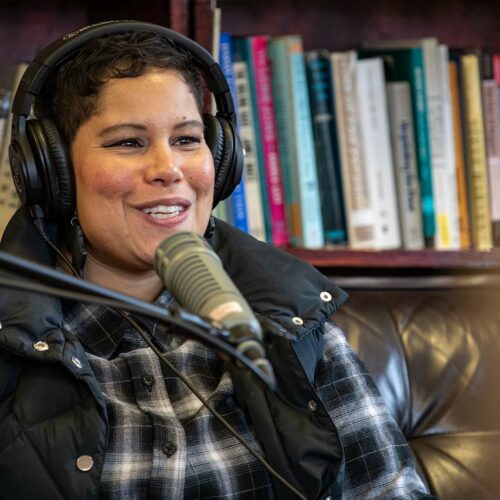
{"x": 435, "y": 356}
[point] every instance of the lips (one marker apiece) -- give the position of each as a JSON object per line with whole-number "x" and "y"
{"x": 164, "y": 211}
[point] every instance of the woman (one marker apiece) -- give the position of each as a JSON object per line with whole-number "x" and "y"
{"x": 87, "y": 409}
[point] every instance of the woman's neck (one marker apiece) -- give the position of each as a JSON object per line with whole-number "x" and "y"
{"x": 143, "y": 285}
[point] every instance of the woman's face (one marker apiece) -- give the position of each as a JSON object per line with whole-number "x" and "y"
{"x": 142, "y": 169}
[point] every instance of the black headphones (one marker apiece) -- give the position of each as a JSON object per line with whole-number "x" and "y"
{"x": 39, "y": 161}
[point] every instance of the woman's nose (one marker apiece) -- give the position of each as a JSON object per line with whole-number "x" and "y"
{"x": 164, "y": 165}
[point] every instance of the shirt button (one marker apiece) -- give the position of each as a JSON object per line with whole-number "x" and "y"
{"x": 312, "y": 405}
{"x": 84, "y": 463}
{"x": 76, "y": 362}
{"x": 169, "y": 448}
{"x": 148, "y": 380}
{"x": 41, "y": 346}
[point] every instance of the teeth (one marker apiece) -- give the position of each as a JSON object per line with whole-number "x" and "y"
{"x": 164, "y": 211}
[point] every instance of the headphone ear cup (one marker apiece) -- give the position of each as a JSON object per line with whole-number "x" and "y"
{"x": 60, "y": 168}
{"x": 55, "y": 176}
{"x": 227, "y": 152}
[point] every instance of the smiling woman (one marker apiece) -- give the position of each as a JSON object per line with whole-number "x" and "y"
{"x": 142, "y": 170}
{"x": 87, "y": 409}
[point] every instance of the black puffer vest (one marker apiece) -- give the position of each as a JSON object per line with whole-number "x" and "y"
{"x": 52, "y": 409}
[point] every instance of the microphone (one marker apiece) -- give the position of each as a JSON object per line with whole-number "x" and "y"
{"x": 193, "y": 273}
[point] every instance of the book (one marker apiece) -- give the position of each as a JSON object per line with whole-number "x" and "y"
{"x": 360, "y": 216}
{"x": 475, "y": 147}
{"x": 258, "y": 58}
{"x": 460, "y": 167}
{"x": 445, "y": 174}
{"x": 491, "y": 105}
{"x": 236, "y": 204}
{"x": 495, "y": 174}
{"x": 295, "y": 133}
{"x": 253, "y": 195}
{"x": 377, "y": 152}
{"x": 407, "y": 64}
{"x": 10, "y": 75}
{"x": 320, "y": 87}
{"x": 405, "y": 164}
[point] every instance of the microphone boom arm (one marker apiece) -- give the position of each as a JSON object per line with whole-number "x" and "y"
{"x": 45, "y": 280}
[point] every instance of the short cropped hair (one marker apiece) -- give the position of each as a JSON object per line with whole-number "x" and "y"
{"x": 71, "y": 96}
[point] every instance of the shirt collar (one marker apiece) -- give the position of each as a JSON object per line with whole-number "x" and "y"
{"x": 103, "y": 331}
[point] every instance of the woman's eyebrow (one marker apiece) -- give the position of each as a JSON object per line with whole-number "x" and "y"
{"x": 141, "y": 127}
{"x": 118, "y": 126}
{"x": 189, "y": 123}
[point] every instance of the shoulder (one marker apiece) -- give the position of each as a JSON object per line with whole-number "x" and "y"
{"x": 274, "y": 282}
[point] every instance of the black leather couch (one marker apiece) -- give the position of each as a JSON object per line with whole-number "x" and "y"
{"x": 433, "y": 347}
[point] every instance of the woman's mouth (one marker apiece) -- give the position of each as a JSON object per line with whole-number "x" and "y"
{"x": 161, "y": 212}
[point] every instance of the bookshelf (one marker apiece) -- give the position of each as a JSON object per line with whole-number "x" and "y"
{"x": 28, "y": 25}
{"x": 343, "y": 25}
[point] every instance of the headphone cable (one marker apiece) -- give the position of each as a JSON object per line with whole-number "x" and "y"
{"x": 37, "y": 217}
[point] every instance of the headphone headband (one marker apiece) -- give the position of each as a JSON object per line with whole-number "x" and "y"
{"x": 59, "y": 51}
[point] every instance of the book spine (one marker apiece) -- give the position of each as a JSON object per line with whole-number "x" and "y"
{"x": 307, "y": 177}
{"x": 283, "y": 98}
{"x": 237, "y": 202}
{"x": 492, "y": 134}
{"x": 375, "y": 140}
{"x": 358, "y": 204}
{"x": 267, "y": 122}
{"x": 255, "y": 210}
{"x": 423, "y": 145}
{"x": 405, "y": 164}
{"x": 496, "y": 174}
{"x": 445, "y": 213}
{"x": 320, "y": 87}
{"x": 476, "y": 153}
{"x": 444, "y": 178}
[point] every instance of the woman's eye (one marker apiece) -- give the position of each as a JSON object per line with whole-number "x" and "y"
{"x": 125, "y": 143}
{"x": 188, "y": 140}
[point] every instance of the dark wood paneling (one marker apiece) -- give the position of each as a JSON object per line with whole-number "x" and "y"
{"x": 343, "y": 24}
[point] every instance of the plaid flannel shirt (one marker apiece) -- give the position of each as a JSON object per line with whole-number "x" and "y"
{"x": 163, "y": 443}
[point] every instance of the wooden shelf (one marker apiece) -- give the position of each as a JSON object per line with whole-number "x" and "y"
{"x": 341, "y": 260}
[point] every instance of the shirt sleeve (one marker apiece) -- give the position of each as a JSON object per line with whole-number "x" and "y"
{"x": 378, "y": 462}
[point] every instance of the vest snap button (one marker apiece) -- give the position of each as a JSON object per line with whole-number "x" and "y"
{"x": 298, "y": 321}
{"x": 312, "y": 405}
{"x": 325, "y": 296}
{"x": 84, "y": 463}
{"x": 41, "y": 346}
{"x": 76, "y": 362}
